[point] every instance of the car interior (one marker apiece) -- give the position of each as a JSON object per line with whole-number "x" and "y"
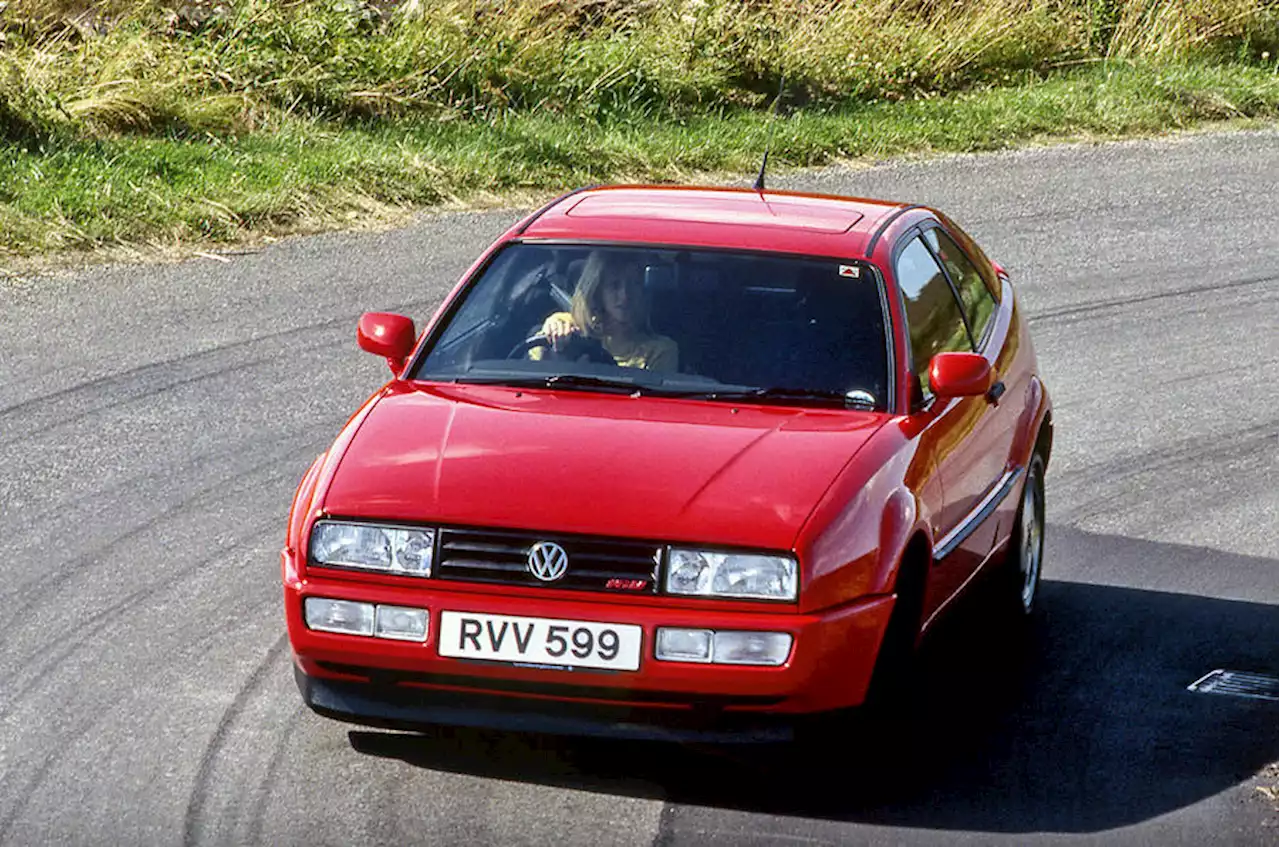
{"x": 738, "y": 319}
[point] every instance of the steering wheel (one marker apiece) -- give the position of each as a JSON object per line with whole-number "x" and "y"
{"x": 575, "y": 347}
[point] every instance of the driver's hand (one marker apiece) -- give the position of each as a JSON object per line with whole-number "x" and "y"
{"x": 558, "y": 329}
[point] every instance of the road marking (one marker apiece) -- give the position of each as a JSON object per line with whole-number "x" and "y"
{"x": 1255, "y": 686}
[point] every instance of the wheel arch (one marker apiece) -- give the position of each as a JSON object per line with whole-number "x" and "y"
{"x": 1035, "y": 431}
{"x": 1044, "y": 437}
{"x": 913, "y": 574}
{"x": 904, "y": 539}
{"x": 901, "y": 636}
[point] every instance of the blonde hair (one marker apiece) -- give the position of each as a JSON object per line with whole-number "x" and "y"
{"x": 600, "y": 268}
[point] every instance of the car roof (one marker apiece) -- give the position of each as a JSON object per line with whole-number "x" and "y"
{"x": 733, "y": 218}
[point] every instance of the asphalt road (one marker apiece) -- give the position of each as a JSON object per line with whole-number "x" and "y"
{"x": 155, "y": 420}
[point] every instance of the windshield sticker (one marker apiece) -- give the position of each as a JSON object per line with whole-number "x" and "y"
{"x": 850, "y": 271}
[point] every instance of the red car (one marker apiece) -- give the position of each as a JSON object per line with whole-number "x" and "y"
{"x": 677, "y": 463}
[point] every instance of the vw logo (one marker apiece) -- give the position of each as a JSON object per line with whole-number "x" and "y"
{"x": 548, "y": 561}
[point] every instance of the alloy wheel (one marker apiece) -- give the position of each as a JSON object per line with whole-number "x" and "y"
{"x": 1031, "y": 542}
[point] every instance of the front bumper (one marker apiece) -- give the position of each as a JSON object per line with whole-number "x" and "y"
{"x": 407, "y": 684}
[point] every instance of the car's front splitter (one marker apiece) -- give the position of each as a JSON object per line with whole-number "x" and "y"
{"x": 400, "y": 707}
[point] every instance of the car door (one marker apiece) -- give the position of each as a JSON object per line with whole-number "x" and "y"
{"x": 981, "y": 463}
{"x": 968, "y": 438}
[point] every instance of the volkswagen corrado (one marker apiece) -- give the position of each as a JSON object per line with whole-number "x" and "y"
{"x": 679, "y": 463}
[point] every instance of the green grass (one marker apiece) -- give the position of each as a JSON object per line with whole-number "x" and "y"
{"x": 309, "y": 176}
{"x": 130, "y": 123}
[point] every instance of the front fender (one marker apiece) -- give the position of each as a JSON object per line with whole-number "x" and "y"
{"x": 298, "y": 512}
{"x": 853, "y": 543}
{"x": 903, "y": 520}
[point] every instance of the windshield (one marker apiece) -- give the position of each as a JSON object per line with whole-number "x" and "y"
{"x": 683, "y": 322}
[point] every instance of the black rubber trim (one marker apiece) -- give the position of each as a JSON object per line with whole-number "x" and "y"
{"x": 410, "y": 709}
{"x": 913, "y": 407}
{"x": 951, "y": 283}
{"x": 892, "y": 216}
{"x": 976, "y": 519}
{"x": 995, "y": 393}
{"x": 550, "y": 689}
{"x": 886, "y": 312}
{"x": 529, "y": 221}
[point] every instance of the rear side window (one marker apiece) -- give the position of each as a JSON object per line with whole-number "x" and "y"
{"x": 974, "y": 296}
{"x": 933, "y": 315}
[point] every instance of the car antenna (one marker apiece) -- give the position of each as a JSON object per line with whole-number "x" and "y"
{"x": 773, "y": 114}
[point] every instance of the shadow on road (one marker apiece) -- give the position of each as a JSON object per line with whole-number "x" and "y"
{"x": 1086, "y": 725}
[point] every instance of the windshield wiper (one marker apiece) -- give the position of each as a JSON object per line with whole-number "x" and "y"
{"x": 783, "y": 394}
{"x": 616, "y": 386}
{"x": 625, "y": 385}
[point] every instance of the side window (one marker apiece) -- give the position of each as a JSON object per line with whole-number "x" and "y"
{"x": 933, "y": 315}
{"x": 974, "y": 296}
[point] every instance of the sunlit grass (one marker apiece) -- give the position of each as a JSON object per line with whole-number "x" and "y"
{"x": 148, "y": 122}
{"x": 202, "y": 68}
{"x": 309, "y": 176}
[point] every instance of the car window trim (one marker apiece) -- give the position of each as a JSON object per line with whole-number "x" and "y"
{"x": 891, "y": 384}
{"x": 946, "y": 274}
{"x": 917, "y": 231}
{"x": 990, "y": 279}
{"x": 980, "y": 342}
{"x": 899, "y": 246}
{"x": 884, "y": 225}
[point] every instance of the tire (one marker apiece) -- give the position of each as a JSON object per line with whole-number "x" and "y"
{"x": 1019, "y": 581}
{"x": 894, "y": 674}
{"x": 865, "y": 727}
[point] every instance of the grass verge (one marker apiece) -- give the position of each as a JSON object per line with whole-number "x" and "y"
{"x": 152, "y": 193}
{"x": 160, "y": 122}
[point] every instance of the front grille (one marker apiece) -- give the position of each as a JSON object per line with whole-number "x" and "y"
{"x": 595, "y": 564}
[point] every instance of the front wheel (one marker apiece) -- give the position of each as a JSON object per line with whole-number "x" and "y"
{"x": 1020, "y": 581}
{"x": 893, "y": 676}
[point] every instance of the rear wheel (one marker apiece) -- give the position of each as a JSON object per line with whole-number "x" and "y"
{"x": 1020, "y": 580}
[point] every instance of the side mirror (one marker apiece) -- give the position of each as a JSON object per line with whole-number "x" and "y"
{"x": 960, "y": 375}
{"x": 388, "y": 335}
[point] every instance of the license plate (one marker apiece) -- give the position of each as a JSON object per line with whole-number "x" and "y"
{"x": 540, "y": 641}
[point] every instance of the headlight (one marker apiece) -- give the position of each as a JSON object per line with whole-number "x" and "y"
{"x": 745, "y": 575}
{"x": 395, "y": 550}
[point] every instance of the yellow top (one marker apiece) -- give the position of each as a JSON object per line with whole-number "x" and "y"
{"x": 652, "y": 352}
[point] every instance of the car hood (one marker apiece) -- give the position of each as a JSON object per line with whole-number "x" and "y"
{"x": 578, "y": 462}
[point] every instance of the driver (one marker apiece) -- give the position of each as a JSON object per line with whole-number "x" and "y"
{"x": 610, "y": 306}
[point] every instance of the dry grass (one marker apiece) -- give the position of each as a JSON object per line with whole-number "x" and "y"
{"x": 142, "y": 124}
{"x": 1172, "y": 29}
{"x": 199, "y": 68}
